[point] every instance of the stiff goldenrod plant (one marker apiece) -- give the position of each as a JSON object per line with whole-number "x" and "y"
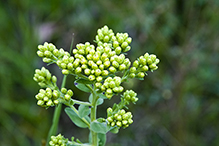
{"x": 99, "y": 70}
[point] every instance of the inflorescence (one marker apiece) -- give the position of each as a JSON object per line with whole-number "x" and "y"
{"x": 98, "y": 65}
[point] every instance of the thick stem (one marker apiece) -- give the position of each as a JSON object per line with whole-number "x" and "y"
{"x": 57, "y": 112}
{"x": 93, "y": 118}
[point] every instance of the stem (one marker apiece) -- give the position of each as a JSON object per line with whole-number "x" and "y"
{"x": 93, "y": 118}
{"x": 56, "y": 115}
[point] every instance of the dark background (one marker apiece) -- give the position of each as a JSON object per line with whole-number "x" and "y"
{"x": 178, "y": 104}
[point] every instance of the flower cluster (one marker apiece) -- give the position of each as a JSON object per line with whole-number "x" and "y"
{"x": 98, "y": 63}
{"x": 49, "y": 53}
{"x": 67, "y": 94}
{"x": 48, "y": 97}
{"x": 120, "y": 118}
{"x": 120, "y": 42}
{"x": 66, "y": 63}
{"x": 143, "y": 64}
{"x": 111, "y": 86}
{"x": 58, "y": 140}
{"x": 130, "y": 96}
{"x": 44, "y": 77}
{"x": 104, "y": 35}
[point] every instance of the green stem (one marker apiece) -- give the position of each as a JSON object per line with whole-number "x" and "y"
{"x": 93, "y": 118}
{"x": 56, "y": 115}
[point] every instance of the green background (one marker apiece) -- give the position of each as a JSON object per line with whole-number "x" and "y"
{"x": 178, "y": 104}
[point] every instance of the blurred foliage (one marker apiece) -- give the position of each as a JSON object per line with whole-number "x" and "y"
{"x": 178, "y": 104}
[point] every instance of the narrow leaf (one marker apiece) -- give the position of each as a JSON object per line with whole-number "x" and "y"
{"x": 75, "y": 118}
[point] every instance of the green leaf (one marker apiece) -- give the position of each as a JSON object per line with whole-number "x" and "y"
{"x": 99, "y": 101}
{"x": 114, "y": 130}
{"x": 83, "y": 87}
{"x": 99, "y": 127}
{"x": 83, "y": 110}
{"x": 84, "y": 81}
{"x": 75, "y": 118}
{"x": 101, "y": 95}
{"x": 102, "y": 139}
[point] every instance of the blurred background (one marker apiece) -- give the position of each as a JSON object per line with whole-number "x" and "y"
{"x": 178, "y": 104}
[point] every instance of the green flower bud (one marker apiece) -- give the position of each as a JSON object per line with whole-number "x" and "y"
{"x": 40, "y": 54}
{"x": 56, "y": 102}
{"x": 106, "y": 64}
{"x": 105, "y": 73}
{"x": 113, "y": 124}
{"x": 122, "y": 112}
{"x": 46, "y": 98}
{"x": 87, "y": 71}
{"x": 132, "y": 75}
{"x": 99, "y": 79}
{"x": 91, "y": 77}
{"x": 40, "y": 102}
{"x": 109, "y": 111}
{"x": 78, "y": 70}
{"x": 109, "y": 91}
{"x": 132, "y": 69}
{"x": 47, "y": 60}
{"x": 140, "y": 75}
{"x": 124, "y": 45}
{"x": 118, "y": 50}
{"x": 98, "y": 72}
{"x": 124, "y": 122}
{"x": 119, "y": 118}
{"x": 112, "y": 84}
{"x": 115, "y": 44}
{"x": 55, "y": 94}
{"x": 136, "y": 63}
{"x": 98, "y": 85}
{"x": 122, "y": 67}
{"x": 65, "y": 72}
{"x": 119, "y": 124}
{"x": 110, "y": 119}
{"x": 129, "y": 40}
{"x": 70, "y": 92}
{"x": 145, "y": 68}
{"x": 112, "y": 69}
{"x": 153, "y": 66}
{"x": 49, "y": 103}
{"x": 64, "y": 90}
{"x": 67, "y": 97}
{"x": 115, "y": 64}
{"x": 142, "y": 60}
{"x": 149, "y": 61}
{"x": 54, "y": 79}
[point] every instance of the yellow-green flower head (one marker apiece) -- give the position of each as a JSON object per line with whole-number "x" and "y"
{"x": 104, "y": 35}
{"x": 44, "y": 77}
{"x": 58, "y": 140}
{"x": 119, "y": 119}
{"x": 48, "y": 97}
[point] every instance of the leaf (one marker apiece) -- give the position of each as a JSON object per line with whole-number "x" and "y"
{"x": 83, "y": 110}
{"x": 102, "y": 139}
{"x": 84, "y": 81}
{"x": 75, "y": 118}
{"x": 114, "y": 130}
{"x": 101, "y": 95}
{"x": 82, "y": 86}
{"x": 99, "y": 101}
{"x": 99, "y": 127}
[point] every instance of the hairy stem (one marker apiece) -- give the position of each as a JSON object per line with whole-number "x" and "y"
{"x": 57, "y": 112}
